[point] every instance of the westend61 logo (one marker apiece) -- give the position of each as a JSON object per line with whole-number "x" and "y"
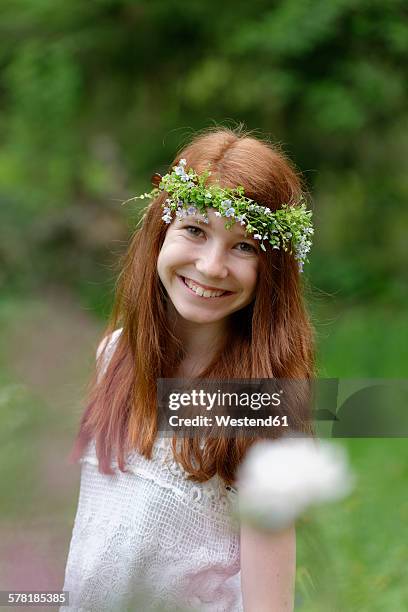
{"x": 331, "y": 408}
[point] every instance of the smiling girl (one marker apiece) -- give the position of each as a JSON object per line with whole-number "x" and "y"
{"x": 211, "y": 288}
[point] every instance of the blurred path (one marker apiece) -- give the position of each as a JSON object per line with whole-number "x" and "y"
{"x": 48, "y": 350}
{"x": 50, "y": 344}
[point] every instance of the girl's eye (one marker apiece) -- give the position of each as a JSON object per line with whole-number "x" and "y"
{"x": 248, "y": 248}
{"x": 193, "y": 230}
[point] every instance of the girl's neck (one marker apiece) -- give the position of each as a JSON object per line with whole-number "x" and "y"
{"x": 200, "y": 341}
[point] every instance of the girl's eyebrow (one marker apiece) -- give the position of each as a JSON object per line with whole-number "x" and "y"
{"x": 196, "y": 217}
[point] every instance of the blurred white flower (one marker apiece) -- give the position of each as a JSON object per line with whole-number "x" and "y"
{"x": 280, "y": 479}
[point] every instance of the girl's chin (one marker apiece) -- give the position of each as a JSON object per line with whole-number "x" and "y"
{"x": 192, "y": 315}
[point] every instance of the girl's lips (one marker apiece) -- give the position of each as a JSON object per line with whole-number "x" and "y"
{"x": 225, "y": 294}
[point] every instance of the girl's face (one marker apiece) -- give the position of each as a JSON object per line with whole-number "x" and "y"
{"x": 209, "y": 272}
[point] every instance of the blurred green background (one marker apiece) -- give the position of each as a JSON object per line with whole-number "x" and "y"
{"x": 94, "y": 97}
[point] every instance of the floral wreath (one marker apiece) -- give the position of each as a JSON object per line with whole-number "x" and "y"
{"x": 289, "y": 227}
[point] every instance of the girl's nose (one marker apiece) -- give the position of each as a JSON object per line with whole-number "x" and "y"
{"x": 212, "y": 262}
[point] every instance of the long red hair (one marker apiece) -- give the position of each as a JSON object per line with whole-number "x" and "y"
{"x": 272, "y": 337}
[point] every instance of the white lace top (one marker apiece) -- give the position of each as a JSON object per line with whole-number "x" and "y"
{"x": 151, "y": 539}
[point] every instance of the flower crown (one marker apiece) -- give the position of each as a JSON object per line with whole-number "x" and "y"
{"x": 289, "y": 227}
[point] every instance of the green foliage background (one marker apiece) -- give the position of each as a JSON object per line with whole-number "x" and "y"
{"x": 95, "y": 96}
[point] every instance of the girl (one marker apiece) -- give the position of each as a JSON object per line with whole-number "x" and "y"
{"x": 210, "y": 288}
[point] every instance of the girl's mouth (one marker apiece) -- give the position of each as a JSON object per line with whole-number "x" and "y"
{"x": 198, "y": 291}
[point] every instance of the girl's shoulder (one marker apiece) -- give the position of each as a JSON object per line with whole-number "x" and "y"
{"x": 105, "y": 351}
{"x": 109, "y": 342}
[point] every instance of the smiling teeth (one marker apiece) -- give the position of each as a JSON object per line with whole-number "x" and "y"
{"x": 200, "y": 291}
